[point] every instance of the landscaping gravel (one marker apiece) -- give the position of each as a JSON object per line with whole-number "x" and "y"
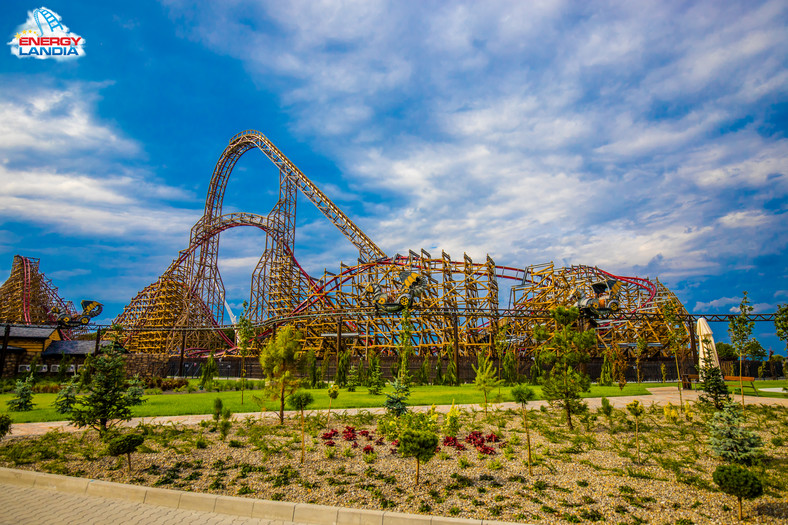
{"x": 590, "y": 474}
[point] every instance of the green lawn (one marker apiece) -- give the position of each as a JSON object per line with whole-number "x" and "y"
{"x": 202, "y": 402}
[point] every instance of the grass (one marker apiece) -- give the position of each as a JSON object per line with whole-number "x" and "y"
{"x": 202, "y": 402}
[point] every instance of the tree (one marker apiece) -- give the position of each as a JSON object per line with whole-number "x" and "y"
{"x": 333, "y": 393}
{"x": 715, "y": 391}
{"x": 740, "y": 330}
{"x": 606, "y": 374}
{"x": 23, "y": 395}
{"x": 405, "y": 349}
{"x": 418, "y": 444}
{"x": 567, "y": 348}
{"x": 110, "y": 394}
{"x": 395, "y": 402}
{"x": 280, "y": 360}
{"x": 729, "y": 440}
{"x": 451, "y": 377}
{"x": 299, "y": 401}
{"x": 125, "y": 444}
{"x": 509, "y": 367}
{"x": 375, "y": 376}
{"x": 209, "y": 371}
{"x": 637, "y": 410}
{"x": 423, "y": 377}
{"x": 353, "y": 379}
{"x": 781, "y": 323}
{"x": 725, "y": 351}
{"x": 245, "y": 335}
{"x": 640, "y": 350}
{"x": 312, "y": 369}
{"x": 676, "y": 338}
{"x": 737, "y": 481}
{"x": 66, "y": 397}
{"x": 486, "y": 378}
{"x": 522, "y": 394}
{"x": 343, "y": 367}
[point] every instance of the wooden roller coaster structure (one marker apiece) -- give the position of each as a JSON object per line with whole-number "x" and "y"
{"x": 453, "y": 305}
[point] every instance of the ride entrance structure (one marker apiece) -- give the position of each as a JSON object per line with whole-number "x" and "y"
{"x": 452, "y": 306}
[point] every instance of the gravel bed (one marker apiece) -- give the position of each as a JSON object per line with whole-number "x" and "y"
{"x": 588, "y": 475}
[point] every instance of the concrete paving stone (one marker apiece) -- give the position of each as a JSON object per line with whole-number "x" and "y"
{"x": 359, "y": 517}
{"x": 273, "y": 510}
{"x": 234, "y": 506}
{"x": 315, "y": 514}
{"x": 195, "y": 501}
{"x": 108, "y": 489}
{"x": 399, "y": 518}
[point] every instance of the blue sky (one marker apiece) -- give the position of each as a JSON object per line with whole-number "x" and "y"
{"x": 647, "y": 138}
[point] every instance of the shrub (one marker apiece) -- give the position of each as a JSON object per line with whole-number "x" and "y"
{"x": 125, "y": 444}
{"x": 66, "y": 398}
{"x": 23, "y": 396}
{"x": 418, "y": 444}
{"x": 738, "y": 481}
{"x": 5, "y": 425}
{"x": 729, "y": 440}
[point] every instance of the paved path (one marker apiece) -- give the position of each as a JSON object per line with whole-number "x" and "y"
{"x": 658, "y": 396}
{"x": 35, "y": 506}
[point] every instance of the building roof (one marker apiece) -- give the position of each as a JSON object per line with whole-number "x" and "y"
{"x": 29, "y": 332}
{"x": 56, "y": 348}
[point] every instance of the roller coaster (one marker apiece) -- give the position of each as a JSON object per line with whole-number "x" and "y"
{"x": 449, "y": 305}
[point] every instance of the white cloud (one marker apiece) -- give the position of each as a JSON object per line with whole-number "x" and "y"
{"x": 611, "y": 135}
{"x": 718, "y": 303}
{"x": 66, "y": 171}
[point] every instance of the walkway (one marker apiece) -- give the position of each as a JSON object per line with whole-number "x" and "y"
{"x": 658, "y": 396}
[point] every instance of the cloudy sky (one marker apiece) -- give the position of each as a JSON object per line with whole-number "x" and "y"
{"x": 647, "y": 138}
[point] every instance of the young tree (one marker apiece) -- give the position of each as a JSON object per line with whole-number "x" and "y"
{"x": 715, "y": 391}
{"x": 781, "y": 323}
{"x": 395, "y": 402}
{"x": 343, "y": 367}
{"x": 209, "y": 371}
{"x": 353, "y": 379}
{"x": 405, "y": 349}
{"x": 333, "y": 393}
{"x": 606, "y": 409}
{"x": 67, "y": 396}
{"x": 676, "y": 340}
{"x": 23, "y": 395}
{"x": 567, "y": 348}
{"x": 279, "y": 361}
{"x": 740, "y": 330}
{"x": 637, "y": 410}
{"x": 110, "y": 394}
{"x": 738, "y": 481}
{"x": 486, "y": 378}
{"x": 640, "y": 350}
{"x": 125, "y": 444}
{"x": 606, "y": 374}
{"x": 375, "y": 376}
{"x": 299, "y": 401}
{"x": 423, "y": 377}
{"x": 522, "y": 394}
{"x": 509, "y": 370}
{"x": 729, "y": 440}
{"x": 418, "y": 444}
{"x": 245, "y": 337}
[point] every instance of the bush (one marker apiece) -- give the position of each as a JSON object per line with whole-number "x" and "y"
{"x": 5, "y": 425}
{"x": 738, "y": 481}
{"x": 23, "y": 396}
{"x": 729, "y": 440}
{"x": 125, "y": 444}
